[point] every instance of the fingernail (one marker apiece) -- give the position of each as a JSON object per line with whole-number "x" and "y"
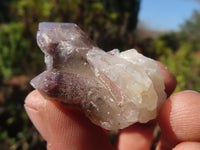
{"x": 35, "y": 110}
{"x": 33, "y": 100}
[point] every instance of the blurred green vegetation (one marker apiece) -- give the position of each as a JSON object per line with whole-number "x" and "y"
{"x": 180, "y": 52}
{"x": 13, "y": 49}
{"x": 110, "y": 23}
{"x": 19, "y": 22}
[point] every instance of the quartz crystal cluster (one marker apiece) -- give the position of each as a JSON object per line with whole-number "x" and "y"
{"x": 114, "y": 89}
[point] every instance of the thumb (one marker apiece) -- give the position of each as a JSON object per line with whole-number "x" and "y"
{"x": 64, "y": 127}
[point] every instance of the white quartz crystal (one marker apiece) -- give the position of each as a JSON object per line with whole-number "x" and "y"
{"x": 114, "y": 89}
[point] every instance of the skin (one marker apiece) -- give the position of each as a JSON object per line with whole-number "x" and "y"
{"x": 67, "y": 128}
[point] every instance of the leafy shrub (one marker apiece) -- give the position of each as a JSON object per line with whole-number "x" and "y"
{"x": 13, "y": 50}
{"x": 185, "y": 65}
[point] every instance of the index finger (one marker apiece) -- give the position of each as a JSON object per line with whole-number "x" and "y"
{"x": 169, "y": 79}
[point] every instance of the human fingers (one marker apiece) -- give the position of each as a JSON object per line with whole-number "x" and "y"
{"x": 41, "y": 114}
{"x": 187, "y": 146}
{"x": 140, "y": 136}
{"x": 137, "y": 137}
{"x": 169, "y": 79}
{"x": 64, "y": 127}
{"x": 179, "y": 119}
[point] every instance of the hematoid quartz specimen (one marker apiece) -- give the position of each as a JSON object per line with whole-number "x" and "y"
{"x": 114, "y": 89}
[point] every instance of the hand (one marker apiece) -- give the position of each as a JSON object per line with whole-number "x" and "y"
{"x": 66, "y": 128}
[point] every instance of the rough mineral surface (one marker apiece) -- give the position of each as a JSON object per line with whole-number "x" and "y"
{"x": 114, "y": 89}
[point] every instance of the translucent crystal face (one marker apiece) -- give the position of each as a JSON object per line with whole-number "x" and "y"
{"x": 114, "y": 89}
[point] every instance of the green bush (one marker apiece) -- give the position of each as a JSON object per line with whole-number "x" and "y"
{"x": 13, "y": 50}
{"x": 185, "y": 65}
{"x": 179, "y": 51}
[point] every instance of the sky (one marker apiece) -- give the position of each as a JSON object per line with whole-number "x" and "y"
{"x": 166, "y": 14}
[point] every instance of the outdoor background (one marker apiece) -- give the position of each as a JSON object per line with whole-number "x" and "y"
{"x": 111, "y": 24}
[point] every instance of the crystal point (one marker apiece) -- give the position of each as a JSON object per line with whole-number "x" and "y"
{"x": 114, "y": 89}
